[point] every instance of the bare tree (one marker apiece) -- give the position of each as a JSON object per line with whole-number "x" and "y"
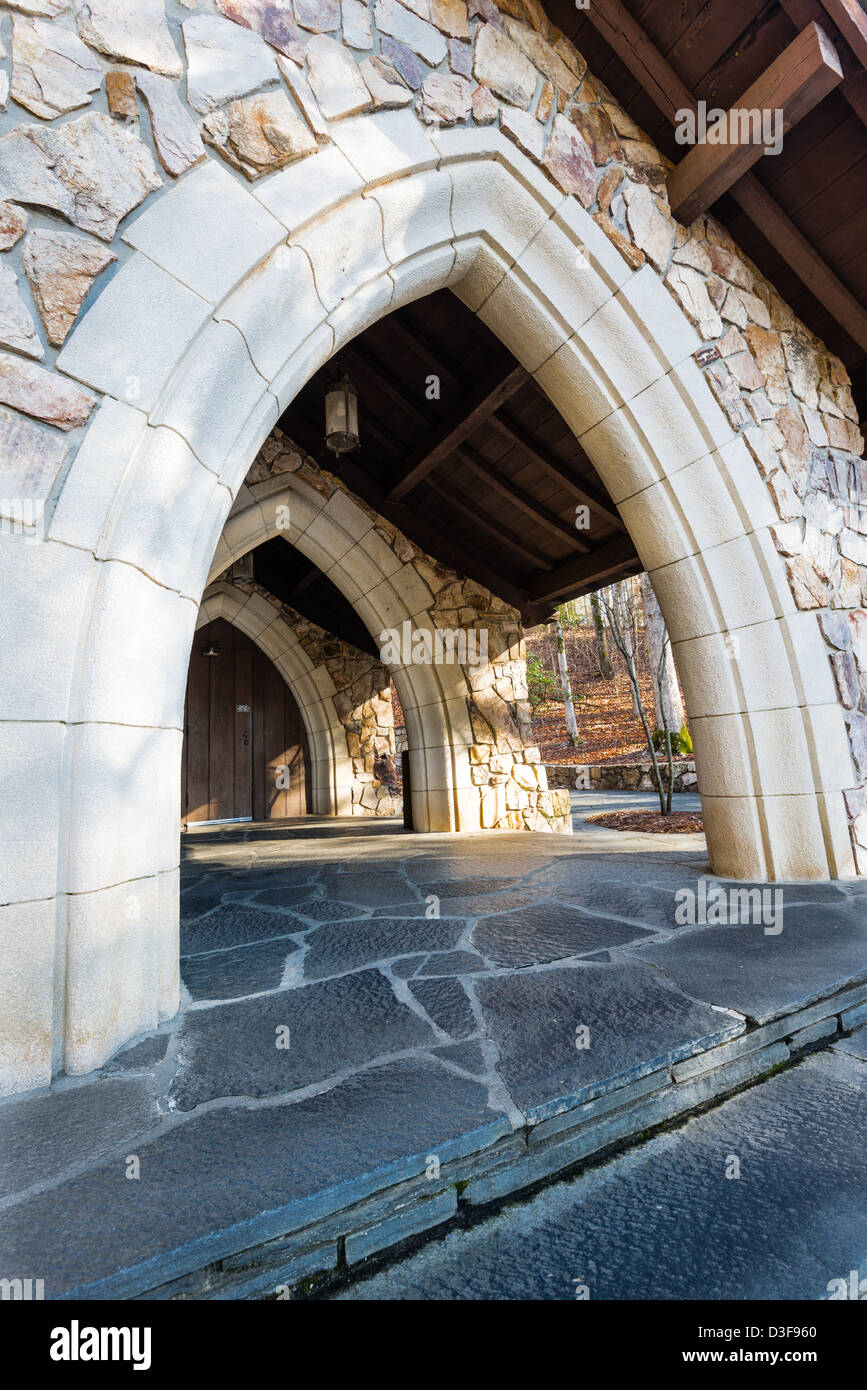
{"x": 621, "y": 611}
{"x": 565, "y": 683}
{"x": 668, "y": 703}
{"x": 601, "y": 643}
{"x": 627, "y": 612}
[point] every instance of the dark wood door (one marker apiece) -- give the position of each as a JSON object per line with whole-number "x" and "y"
{"x": 245, "y": 748}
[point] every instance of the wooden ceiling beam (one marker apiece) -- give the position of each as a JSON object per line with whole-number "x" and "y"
{"x": 306, "y": 579}
{"x": 519, "y": 498}
{"x": 637, "y": 51}
{"x": 805, "y": 72}
{"x": 585, "y": 572}
{"x": 516, "y": 434}
{"x": 491, "y": 392}
{"x": 851, "y": 20}
{"x": 854, "y": 84}
{"x": 803, "y": 259}
{"x": 664, "y": 87}
{"x": 350, "y": 470}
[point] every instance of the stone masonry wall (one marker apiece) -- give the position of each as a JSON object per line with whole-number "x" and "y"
{"x": 505, "y": 766}
{"x": 102, "y": 104}
{"x": 618, "y": 777}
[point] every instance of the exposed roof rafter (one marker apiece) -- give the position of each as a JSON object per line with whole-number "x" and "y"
{"x": 492, "y": 391}
{"x": 500, "y": 533}
{"x": 805, "y": 72}
{"x": 503, "y": 485}
{"x": 851, "y": 20}
{"x": 584, "y": 573}
{"x": 510, "y": 429}
{"x": 854, "y": 84}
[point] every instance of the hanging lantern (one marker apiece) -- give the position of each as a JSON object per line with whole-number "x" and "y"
{"x": 242, "y": 569}
{"x": 211, "y": 651}
{"x": 341, "y": 416}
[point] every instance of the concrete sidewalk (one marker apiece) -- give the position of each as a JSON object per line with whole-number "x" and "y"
{"x": 379, "y": 1028}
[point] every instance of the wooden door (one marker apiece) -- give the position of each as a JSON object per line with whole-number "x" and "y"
{"x": 245, "y": 751}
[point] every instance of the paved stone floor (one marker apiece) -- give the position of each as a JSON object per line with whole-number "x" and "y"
{"x": 355, "y": 996}
{"x": 665, "y": 1222}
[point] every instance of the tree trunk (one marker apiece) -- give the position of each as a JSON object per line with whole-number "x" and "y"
{"x": 625, "y": 610}
{"x": 626, "y": 646}
{"x": 667, "y": 702}
{"x": 601, "y": 645}
{"x": 565, "y": 683}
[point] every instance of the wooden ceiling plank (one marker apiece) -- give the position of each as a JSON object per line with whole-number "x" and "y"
{"x": 501, "y": 533}
{"x": 713, "y": 32}
{"x": 524, "y": 440}
{"x": 805, "y": 72}
{"x": 373, "y": 378}
{"x": 481, "y": 402}
{"x": 415, "y": 343}
{"x": 432, "y": 539}
{"x": 521, "y": 499}
{"x": 803, "y": 259}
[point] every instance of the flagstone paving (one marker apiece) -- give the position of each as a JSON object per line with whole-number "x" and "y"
{"x": 357, "y": 1001}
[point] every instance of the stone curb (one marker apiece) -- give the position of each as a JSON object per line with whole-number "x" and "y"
{"x": 479, "y": 1170}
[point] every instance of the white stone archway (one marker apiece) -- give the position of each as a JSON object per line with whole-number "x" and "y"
{"x": 330, "y": 766}
{"x": 230, "y": 300}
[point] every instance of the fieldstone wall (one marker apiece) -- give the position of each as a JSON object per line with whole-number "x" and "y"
{"x": 505, "y": 766}
{"x": 163, "y": 85}
{"x": 618, "y": 777}
{"x": 363, "y": 705}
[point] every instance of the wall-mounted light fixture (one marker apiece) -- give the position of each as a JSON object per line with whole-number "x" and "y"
{"x": 211, "y": 651}
{"x": 341, "y": 415}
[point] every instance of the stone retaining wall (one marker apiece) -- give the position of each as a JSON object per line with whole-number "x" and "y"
{"x": 618, "y": 777}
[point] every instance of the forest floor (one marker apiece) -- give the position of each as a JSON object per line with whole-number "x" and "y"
{"x": 608, "y": 729}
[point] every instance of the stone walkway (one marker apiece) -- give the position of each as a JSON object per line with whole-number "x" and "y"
{"x": 379, "y": 1026}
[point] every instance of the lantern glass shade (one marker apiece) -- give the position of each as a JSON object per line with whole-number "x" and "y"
{"x": 341, "y": 417}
